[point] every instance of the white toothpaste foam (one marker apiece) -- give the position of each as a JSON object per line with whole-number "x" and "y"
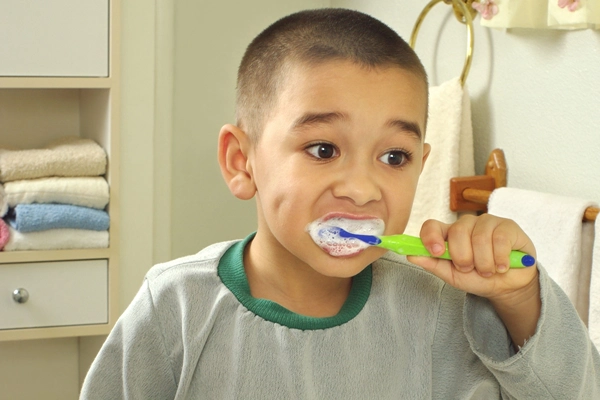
{"x": 326, "y": 237}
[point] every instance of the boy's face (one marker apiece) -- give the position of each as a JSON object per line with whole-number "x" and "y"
{"x": 342, "y": 141}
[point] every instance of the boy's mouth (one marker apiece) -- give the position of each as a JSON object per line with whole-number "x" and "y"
{"x": 338, "y": 246}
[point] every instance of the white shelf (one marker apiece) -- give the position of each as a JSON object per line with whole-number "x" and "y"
{"x": 42, "y": 82}
{"x": 8, "y": 257}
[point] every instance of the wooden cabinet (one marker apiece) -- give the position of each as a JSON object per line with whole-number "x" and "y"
{"x": 44, "y": 97}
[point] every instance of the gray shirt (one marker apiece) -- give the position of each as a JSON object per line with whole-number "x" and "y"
{"x": 194, "y": 332}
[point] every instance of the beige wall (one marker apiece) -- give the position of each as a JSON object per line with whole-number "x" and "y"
{"x": 210, "y": 38}
{"x": 534, "y": 93}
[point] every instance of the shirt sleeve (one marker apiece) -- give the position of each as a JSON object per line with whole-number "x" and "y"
{"x": 133, "y": 362}
{"x": 558, "y": 362}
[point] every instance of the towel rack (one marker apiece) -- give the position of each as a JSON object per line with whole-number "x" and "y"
{"x": 465, "y": 14}
{"x": 472, "y": 193}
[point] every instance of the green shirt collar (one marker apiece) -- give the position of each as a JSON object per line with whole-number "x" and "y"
{"x": 232, "y": 274}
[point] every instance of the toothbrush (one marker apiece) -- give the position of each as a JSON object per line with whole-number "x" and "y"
{"x": 413, "y": 246}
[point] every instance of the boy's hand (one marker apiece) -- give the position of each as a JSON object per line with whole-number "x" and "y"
{"x": 480, "y": 248}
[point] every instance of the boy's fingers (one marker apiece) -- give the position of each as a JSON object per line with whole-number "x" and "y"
{"x": 482, "y": 238}
{"x": 460, "y": 243}
{"x": 502, "y": 239}
{"x": 483, "y": 243}
{"x": 433, "y": 235}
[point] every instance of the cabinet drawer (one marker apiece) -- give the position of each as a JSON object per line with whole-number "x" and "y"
{"x": 54, "y": 37}
{"x": 59, "y": 294}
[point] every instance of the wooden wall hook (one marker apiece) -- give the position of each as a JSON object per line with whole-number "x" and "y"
{"x": 477, "y": 188}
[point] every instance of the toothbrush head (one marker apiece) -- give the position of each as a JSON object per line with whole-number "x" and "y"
{"x": 327, "y": 234}
{"x": 368, "y": 239}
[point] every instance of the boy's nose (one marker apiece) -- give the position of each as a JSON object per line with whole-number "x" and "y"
{"x": 358, "y": 185}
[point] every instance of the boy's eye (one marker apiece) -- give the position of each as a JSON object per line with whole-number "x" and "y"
{"x": 322, "y": 150}
{"x": 395, "y": 158}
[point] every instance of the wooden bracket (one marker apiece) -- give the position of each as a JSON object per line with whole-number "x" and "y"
{"x": 471, "y": 193}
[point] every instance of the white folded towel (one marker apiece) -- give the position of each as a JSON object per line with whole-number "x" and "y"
{"x": 3, "y": 202}
{"x": 594, "y": 315}
{"x": 450, "y": 133}
{"x": 80, "y": 191}
{"x": 55, "y": 239}
{"x": 69, "y": 156}
{"x": 554, "y": 224}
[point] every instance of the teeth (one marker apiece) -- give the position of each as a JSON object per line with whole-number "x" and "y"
{"x": 326, "y": 236}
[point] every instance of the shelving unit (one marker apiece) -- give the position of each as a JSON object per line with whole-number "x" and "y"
{"x": 35, "y": 110}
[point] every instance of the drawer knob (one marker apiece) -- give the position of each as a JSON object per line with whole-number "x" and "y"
{"x": 20, "y": 295}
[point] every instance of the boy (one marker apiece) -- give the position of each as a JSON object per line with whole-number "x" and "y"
{"x": 331, "y": 116}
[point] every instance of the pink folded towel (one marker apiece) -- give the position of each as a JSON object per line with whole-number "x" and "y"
{"x": 69, "y": 156}
{"x": 4, "y": 234}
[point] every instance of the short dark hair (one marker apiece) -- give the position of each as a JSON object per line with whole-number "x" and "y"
{"x": 313, "y": 37}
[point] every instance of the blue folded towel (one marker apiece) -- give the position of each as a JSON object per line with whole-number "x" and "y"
{"x": 41, "y": 217}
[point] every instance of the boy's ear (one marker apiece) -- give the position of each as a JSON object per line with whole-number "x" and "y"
{"x": 426, "y": 152}
{"x": 234, "y": 146}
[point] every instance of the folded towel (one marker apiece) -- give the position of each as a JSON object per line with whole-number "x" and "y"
{"x": 4, "y": 234}
{"x": 56, "y": 239}
{"x": 554, "y": 224}
{"x": 450, "y": 133}
{"x": 42, "y": 217}
{"x": 594, "y": 315}
{"x": 69, "y": 156}
{"x": 80, "y": 191}
{"x": 3, "y": 202}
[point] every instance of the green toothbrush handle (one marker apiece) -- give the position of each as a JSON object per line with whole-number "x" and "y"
{"x": 413, "y": 246}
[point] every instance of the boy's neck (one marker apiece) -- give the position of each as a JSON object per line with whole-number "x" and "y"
{"x": 300, "y": 290}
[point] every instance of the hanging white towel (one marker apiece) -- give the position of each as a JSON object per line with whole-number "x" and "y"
{"x": 554, "y": 224}
{"x": 450, "y": 133}
{"x": 594, "y": 315}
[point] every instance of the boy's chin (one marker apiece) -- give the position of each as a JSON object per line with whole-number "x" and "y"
{"x": 349, "y": 265}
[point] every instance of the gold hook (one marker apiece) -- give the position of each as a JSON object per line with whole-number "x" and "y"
{"x": 464, "y": 13}
{"x": 459, "y": 12}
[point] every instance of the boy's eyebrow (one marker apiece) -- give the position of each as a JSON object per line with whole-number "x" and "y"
{"x": 406, "y": 126}
{"x": 316, "y": 118}
{"x": 329, "y": 117}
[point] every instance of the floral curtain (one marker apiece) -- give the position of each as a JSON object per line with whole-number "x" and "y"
{"x": 539, "y": 14}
